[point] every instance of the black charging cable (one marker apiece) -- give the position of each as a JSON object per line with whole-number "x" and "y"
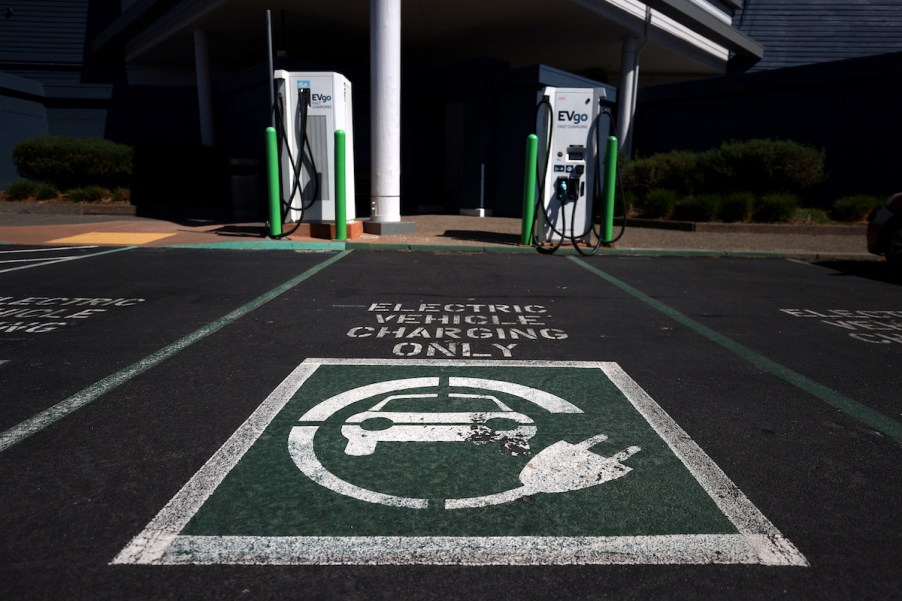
{"x": 296, "y": 164}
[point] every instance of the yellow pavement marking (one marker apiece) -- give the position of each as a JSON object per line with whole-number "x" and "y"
{"x": 126, "y": 238}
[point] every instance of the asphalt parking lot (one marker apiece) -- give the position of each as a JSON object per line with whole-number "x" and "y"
{"x": 207, "y": 424}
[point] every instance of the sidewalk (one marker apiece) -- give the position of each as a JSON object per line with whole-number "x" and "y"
{"x": 433, "y": 232}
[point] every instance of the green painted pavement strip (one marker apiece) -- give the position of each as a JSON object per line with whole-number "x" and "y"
{"x": 259, "y": 495}
{"x": 49, "y": 416}
{"x": 850, "y": 407}
{"x": 304, "y": 245}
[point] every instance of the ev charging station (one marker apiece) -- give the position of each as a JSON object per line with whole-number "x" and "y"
{"x": 572, "y": 130}
{"x": 311, "y": 107}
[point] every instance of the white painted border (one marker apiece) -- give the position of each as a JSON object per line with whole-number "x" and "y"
{"x": 757, "y": 540}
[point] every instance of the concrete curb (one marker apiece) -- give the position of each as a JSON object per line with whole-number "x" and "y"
{"x": 79, "y": 208}
{"x": 325, "y": 246}
{"x": 748, "y": 228}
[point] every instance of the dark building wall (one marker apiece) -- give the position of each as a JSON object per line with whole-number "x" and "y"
{"x": 22, "y": 116}
{"x": 848, "y": 108}
{"x": 45, "y": 32}
{"x": 42, "y": 47}
{"x": 804, "y": 32}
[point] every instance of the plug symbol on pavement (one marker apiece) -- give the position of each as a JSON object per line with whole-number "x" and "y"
{"x": 561, "y": 467}
{"x": 564, "y": 467}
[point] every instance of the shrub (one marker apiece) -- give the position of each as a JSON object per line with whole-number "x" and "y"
{"x": 764, "y": 166}
{"x": 88, "y": 194}
{"x": 811, "y": 216}
{"x": 775, "y": 208}
{"x": 658, "y": 204}
{"x": 73, "y": 162}
{"x": 736, "y": 206}
{"x": 697, "y": 208}
{"x": 855, "y": 208}
{"x": 761, "y": 166}
{"x": 23, "y": 189}
{"x": 676, "y": 170}
{"x": 122, "y": 194}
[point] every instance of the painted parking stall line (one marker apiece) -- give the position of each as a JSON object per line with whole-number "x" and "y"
{"x": 850, "y": 407}
{"x": 459, "y": 462}
{"x": 64, "y": 259}
{"x": 42, "y": 420}
{"x": 50, "y": 249}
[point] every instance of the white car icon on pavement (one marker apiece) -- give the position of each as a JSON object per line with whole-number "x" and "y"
{"x": 367, "y": 429}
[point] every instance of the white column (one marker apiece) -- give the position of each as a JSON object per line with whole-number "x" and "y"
{"x": 204, "y": 86}
{"x": 385, "y": 109}
{"x": 626, "y": 92}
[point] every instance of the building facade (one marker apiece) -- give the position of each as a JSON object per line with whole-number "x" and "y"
{"x": 186, "y": 82}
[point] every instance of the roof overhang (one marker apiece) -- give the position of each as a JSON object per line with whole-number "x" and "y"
{"x": 683, "y": 37}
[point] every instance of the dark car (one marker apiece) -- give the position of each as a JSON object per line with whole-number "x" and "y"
{"x": 885, "y": 231}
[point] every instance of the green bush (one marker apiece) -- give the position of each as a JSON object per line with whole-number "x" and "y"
{"x": 760, "y": 166}
{"x": 122, "y": 194}
{"x": 88, "y": 194}
{"x": 764, "y": 166}
{"x": 810, "y": 215}
{"x": 855, "y": 208}
{"x": 24, "y": 189}
{"x": 697, "y": 208}
{"x": 775, "y": 208}
{"x": 658, "y": 204}
{"x": 736, "y": 206}
{"x": 69, "y": 162}
{"x": 676, "y": 170}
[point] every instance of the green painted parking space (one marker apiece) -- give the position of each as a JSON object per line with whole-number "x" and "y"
{"x": 404, "y": 461}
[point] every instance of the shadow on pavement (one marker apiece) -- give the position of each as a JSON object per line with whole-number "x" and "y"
{"x": 871, "y": 270}
{"x": 482, "y": 236}
{"x": 242, "y": 231}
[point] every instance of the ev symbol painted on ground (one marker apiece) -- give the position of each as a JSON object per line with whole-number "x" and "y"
{"x": 482, "y": 420}
{"x": 459, "y": 462}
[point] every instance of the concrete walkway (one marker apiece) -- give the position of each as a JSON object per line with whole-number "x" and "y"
{"x": 463, "y": 233}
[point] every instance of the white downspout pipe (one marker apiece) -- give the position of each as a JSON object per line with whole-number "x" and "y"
{"x": 629, "y": 73}
{"x": 385, "y": 111}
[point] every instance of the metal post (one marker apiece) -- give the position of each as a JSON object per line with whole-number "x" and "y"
{"x": 610, "y": 182}
{"x": 204, "y": 87}
{"x": 629, "y": 71}
{"x": 272, "y": 169}
{"x": 341, "y": 188}
{"x": 269, "y": 64}
{"x": 529, "y": 189}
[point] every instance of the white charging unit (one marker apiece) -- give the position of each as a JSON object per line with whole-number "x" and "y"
{"x": 568, "y": 141}
{"x": 312, "y": 106}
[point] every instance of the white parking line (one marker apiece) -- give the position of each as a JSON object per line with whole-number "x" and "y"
{"x": 65, "y": 259}
{"x": 50, "y": 249}
{"x": 33, "y": 260}
{"x": 78, "y": 400}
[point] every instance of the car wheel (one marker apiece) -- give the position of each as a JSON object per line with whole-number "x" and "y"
{"x": 894, "y": 249}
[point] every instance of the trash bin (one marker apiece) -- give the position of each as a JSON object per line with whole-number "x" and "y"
{"x": 245, "y": 183}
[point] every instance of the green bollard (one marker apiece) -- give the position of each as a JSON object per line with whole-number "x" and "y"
{"x": 272, "y": 168}
{"x": 341, "y": 188}
{"x": 610, "y": 183}
{"x": 529, "y": 189}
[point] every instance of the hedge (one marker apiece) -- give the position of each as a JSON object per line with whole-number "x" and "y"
{"x": 759, "y": 166}
{"x": 67, "y": 162}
